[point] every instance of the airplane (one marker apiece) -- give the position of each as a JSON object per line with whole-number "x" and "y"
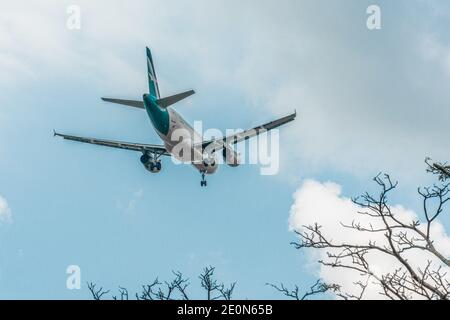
{"x": 166, "y": 121}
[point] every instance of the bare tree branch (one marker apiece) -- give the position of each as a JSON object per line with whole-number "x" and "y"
{"x": 214, "y": 290}
{"x": 440, "y": 169}
{"x": 318, "y": 288}
{"x": 176, "y": 289}
{"x": 408, "y": 281}
{"x": 96, "y": 294}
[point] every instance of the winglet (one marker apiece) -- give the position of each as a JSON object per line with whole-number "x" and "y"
{"x": 56, "y": 134}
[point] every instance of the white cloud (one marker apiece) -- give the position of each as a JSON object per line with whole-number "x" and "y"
{"x": 324, "y": 204}
{"x": 434, "y": 50}
{"x": 5, "y": 212}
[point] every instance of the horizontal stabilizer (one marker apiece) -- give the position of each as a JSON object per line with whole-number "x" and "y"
{"x": 166, "y": 102}
{"x": 130, "y": 103}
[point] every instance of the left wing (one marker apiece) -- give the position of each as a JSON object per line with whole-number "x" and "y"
{"x": 117, "y": 144}
{"x": 218, "y": 144}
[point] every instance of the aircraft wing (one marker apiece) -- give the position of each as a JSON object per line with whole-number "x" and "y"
{"x": 217, "y": 144}
{"x": 118, "y": 144}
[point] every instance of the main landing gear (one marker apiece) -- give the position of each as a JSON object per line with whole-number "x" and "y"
{"x": 203, "y": 183}
{"x": 151, "y": 161}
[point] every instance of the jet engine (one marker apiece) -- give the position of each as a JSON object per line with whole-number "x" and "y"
{"x": 152, "y": 165}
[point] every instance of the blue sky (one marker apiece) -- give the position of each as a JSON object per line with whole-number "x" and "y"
{"x": 368, "y": 101}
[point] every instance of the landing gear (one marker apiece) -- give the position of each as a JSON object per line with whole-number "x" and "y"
{"x": 203, "y": 183}
{"x": 154, "y": 166}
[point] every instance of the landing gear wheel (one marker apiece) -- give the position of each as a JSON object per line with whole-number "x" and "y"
{"x": 203, "y": 183}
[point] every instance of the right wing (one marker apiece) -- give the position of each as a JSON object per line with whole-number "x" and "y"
{"x": 118, "y": 144}
{"x": 218, "y": 144}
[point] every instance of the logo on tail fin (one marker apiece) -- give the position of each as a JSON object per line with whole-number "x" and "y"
{"x": 152, "y": 80}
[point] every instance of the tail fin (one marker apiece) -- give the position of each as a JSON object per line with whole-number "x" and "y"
{"x": 152, "y": 80}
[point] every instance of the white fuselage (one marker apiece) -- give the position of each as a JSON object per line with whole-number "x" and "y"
{"x": 181, "y": 136}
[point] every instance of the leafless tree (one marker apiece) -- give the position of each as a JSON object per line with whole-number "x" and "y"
{"x": 318, "y": 288}
{"x": 176, "y": 289}
{"x": 96, "y": 293}
{"x": 409, "y": 281}
{"x": 440, "y": 169}
{"x": 214, "y": 289}
{"x": 166, "y": 290}
{"x": 123, "y": 294}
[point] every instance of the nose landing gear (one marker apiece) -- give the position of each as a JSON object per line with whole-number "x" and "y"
{"x": 203, "y": 183}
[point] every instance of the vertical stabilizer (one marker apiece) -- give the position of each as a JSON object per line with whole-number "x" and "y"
{"x": 152, "y": 80}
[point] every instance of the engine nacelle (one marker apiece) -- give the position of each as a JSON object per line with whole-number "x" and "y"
{"x": 154, "y": 166}
{"x": 231, "y": 157}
